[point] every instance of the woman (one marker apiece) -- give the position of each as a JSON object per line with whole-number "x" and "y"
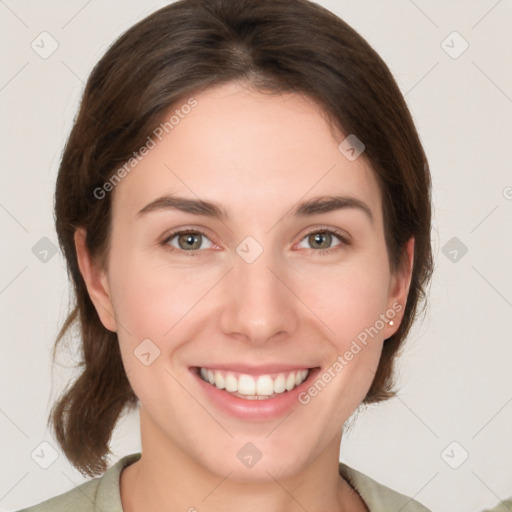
{"x": 244, "y": 206}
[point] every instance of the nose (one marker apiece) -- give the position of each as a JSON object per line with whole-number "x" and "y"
{"x": 259, "y": 304}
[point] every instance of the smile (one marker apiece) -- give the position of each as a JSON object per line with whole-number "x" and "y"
{"x": 250, "y": 393}
{"x": 249, "y": 387}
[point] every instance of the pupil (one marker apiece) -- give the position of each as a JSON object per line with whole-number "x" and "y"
{"x": 318, "y": 238}
{"x": 189, "y": 240}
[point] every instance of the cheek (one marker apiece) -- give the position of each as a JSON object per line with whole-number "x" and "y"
{"x": 154, "y": 300}
{"x": 170, "y": 305}
{"x": 348, "y": 298}
{"x": 150, "y": 299}
{"x": 152, "y": 303}
{"x": 349, "y": 301}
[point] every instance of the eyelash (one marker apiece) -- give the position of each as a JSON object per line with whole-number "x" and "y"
{"x": 196, "y": 252}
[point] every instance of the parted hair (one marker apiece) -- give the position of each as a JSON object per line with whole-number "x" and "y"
{"x": 185, "y": 47}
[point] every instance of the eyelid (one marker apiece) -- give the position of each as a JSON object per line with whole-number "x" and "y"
{"x": 345, "y": 237}
{"x": 342, "y": 235}
{"x": 169, "y": 235}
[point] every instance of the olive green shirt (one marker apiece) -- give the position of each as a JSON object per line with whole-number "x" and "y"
{"x": 104, "y": 493}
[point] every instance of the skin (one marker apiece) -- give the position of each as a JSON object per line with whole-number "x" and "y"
{"x": 257, "y": 155}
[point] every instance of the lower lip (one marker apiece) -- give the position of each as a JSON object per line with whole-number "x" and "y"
{"x": 267, "y": 409}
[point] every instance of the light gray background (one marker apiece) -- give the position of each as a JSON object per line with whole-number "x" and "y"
{"x": 454, "y": 376}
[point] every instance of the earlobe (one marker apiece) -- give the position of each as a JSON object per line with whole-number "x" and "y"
{"x": 96, "y": 282}
{"x": 399, "y": 288}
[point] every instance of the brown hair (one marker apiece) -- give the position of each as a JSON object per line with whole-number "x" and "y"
{"x": 276, "y": 46}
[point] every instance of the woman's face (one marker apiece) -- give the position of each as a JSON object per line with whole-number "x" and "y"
{"x": 274, "y": 286}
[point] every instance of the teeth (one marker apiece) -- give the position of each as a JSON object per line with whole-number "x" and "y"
{"x": 246, "y": 385}
{"x": 264, "y": 385}
{"x": 231, "y": 383}
{"x": 219, "y": 380}
{"x": 279, "y": 383}
{"x": 254, "y": 388}
{"x": 290, "y": 382}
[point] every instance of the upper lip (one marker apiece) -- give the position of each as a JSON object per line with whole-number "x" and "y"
{"x": 255, "y": 369}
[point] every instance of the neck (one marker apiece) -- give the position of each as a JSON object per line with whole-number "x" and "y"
{"x": 168, "y": 478}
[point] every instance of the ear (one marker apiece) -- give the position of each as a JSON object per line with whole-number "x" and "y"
{"x": 399, "y": 290}
{"x": 95, "y": 281}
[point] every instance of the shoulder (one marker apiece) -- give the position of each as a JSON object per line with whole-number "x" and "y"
{"x": 502, "y": 506}
{"x": 100, "y": 493}
{"x": 79, "y": 499}
{"x": 377, "y": 496}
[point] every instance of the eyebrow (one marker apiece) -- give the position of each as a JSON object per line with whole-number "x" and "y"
{"x": 314, "y": 206}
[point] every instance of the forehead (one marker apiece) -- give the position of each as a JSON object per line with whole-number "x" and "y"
{"x": 249, "y": 151}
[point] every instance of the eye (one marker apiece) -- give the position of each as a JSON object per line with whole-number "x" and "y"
{"x": 190, "y": 241}
{"x": 187, "y": 241}
{"x": 321, "y": 240}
